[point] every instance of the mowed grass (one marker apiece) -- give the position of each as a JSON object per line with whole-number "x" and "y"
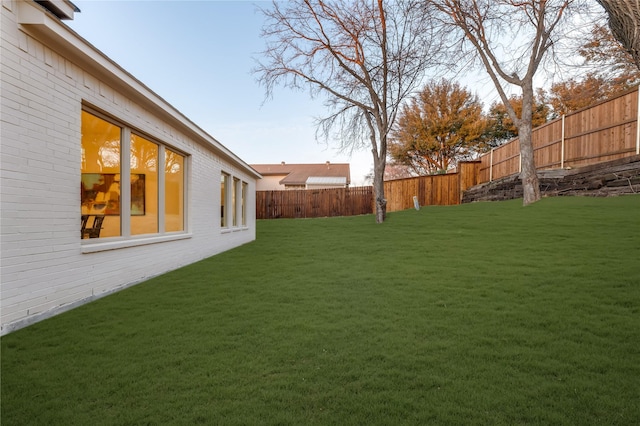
{"x": 488, "y": 314}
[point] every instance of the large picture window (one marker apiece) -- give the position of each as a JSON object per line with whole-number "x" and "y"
{"x": 121, "y": 184}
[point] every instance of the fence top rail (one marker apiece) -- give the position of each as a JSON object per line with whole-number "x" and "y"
{"x": 291, "y": 191}
{"x": 613, "y": 98}
{"x": 421, "y": 177}
{"x": 555, "y": 120}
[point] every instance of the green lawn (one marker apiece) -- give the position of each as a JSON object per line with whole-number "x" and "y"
{"x": 488, "y": 314}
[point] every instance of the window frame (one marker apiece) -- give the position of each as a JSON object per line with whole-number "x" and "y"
{"x": 225, "y": 193}
{"x": 243, "y": 209}
{"x": 234, "y": 207}
{"x": 126, "y": 238}
{"x": 236, "y": 203}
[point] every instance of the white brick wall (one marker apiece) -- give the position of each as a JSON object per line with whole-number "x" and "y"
{"x": 43, "y": 269}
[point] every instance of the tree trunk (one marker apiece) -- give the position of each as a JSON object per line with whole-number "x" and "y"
{"x": 624, "y": 20}
{"x": 528, "y": 175}
{"x": 378, "y": 189}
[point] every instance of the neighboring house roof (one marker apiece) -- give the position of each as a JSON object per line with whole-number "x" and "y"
{"x": 298, "y": 174}
{"x": 325, "y": 180}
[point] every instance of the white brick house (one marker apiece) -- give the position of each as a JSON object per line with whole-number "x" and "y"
{"x": 82, "y": 139}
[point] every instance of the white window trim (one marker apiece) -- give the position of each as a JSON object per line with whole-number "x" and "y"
{"x": 234, "y": 184}
{"x": 226, "y": 208}
{"x": 244, "y": 194}
{"x": 126, "y": 239}
{"x": 118, "y": 243}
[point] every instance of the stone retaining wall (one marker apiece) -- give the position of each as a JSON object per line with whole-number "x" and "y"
{"x": 616, "y": 177}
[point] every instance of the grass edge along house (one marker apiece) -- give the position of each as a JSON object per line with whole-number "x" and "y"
{"x": 104, "y": 184}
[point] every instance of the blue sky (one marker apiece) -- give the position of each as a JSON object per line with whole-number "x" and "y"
{"x": 198, "y": 56}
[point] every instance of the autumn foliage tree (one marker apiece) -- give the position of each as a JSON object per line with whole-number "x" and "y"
{"x": 502, "y": 128}
{"x": 609, "y": 59}
{"x": 440, "y": 126}
{"x": 610, "y": 70}
{"x": 365, "y": 57}
{"x": 574, "y": 94}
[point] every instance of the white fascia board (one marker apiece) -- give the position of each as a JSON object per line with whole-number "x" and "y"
{"x": 48, "y": 29}
{"x": 64, "y": 9}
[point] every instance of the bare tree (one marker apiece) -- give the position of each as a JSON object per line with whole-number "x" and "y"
{"x": 511, "y": 39}
{"x": 624, "y": 20}
{"x": 363, "y": 56}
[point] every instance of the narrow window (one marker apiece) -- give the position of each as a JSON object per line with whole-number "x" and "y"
{"x": 224, "y": 183}
{"x": 245, "y": 191}
{"x": 235, "y": 201}
{"x": 100, "y": 179}
{"x": 144, "y": 186}
{"x": 173, "y": 191}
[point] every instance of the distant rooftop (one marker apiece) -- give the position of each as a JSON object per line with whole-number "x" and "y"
{"x": 326, "y": 180}
{"x": 298, "y": 174}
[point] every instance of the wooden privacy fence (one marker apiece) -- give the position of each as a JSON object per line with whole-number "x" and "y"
{"x": 433, "y": 190}
{"x": 430, "y": 190}
{"x": 314, "y": 202}
{"x": 606, "y": 131}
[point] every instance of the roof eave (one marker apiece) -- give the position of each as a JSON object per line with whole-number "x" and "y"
{"x": 45, "y": 27}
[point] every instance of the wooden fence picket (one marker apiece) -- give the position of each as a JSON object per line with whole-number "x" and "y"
{"x": 603, "y": 132}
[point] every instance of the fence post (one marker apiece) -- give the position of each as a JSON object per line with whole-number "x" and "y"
{"x": 491, "y": 166}
{"x": 562, "y": 145}
{"x": 638, "y": 124}
{"x": 468, "y": 176}
{"x": 520, "y": 163}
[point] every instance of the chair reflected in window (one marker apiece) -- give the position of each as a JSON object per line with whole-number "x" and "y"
{"x": 92, "y": 231}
